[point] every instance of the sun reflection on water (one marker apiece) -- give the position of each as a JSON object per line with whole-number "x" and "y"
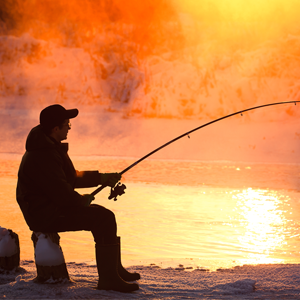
{"x": 264, "y": 223}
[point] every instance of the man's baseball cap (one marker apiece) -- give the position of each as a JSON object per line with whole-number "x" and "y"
{"x": 54, "y": 115}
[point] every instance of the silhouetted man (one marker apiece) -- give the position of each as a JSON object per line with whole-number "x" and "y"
{"x": 49, "y": 203}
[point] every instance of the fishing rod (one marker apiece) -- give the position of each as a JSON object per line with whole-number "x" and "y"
{"x": 119, "y": 188}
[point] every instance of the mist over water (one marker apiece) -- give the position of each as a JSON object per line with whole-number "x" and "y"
{"x": 133, "y": 70}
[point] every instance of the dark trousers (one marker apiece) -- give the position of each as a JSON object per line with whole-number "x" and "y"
{"x": 95, "y": 218}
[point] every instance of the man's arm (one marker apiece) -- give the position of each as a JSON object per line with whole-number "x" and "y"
{"x": 50, "y": 179}
{"x": 86, "y": 179}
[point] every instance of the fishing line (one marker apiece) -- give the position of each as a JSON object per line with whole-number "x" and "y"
{"x": 120, "y": 188}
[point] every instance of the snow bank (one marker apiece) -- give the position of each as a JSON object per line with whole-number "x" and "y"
{"x": 246, "y": 282}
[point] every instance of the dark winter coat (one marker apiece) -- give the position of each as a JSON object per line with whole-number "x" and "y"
{"x": 47, "y": 179}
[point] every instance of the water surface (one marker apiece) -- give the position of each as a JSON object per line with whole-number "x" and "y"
{"x": 218, "y": 211}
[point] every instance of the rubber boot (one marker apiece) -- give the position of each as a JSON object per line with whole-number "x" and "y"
{"x": 107, "y": 264}
{"x": 124, "y": 274}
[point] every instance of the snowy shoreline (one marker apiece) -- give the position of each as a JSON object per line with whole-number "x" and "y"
{"x": 264, "y": 281}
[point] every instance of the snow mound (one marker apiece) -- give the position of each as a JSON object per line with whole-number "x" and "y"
{"x": 48, "y": 253}
{"x": 8, "y": 246}
{"x": 235, "y": 288}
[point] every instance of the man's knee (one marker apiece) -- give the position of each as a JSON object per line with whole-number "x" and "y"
{"x": 109, "y": 216}
{"x": 103, "y": 215}
{"x": 104, "y": 226}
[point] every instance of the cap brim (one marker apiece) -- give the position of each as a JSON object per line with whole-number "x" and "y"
{"x": 72, "y": 113}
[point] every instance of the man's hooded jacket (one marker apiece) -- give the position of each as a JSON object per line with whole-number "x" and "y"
{"x": 47, "y": 179}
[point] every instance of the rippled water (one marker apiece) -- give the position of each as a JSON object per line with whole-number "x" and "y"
{"x": 237, "y": 212}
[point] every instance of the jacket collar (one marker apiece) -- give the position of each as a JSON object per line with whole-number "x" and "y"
{"x": 63, "y": 146}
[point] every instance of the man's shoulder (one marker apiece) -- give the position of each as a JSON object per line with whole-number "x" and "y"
{"x": 37, "y": 140}
{"x": 42, "y": 155}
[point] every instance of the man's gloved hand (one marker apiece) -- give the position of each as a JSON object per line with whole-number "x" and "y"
{"x": 109, "y": 179}
{"x": 88, "y": 199}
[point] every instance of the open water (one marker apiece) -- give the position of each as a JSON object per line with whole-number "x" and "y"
{"x": 218, "y": 212}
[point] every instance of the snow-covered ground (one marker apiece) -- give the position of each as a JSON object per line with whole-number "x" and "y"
{"x": 246, "y": 282}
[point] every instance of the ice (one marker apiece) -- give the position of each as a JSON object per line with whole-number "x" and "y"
{"x": 48, "y": 253}
{"x": 8, "y": 245}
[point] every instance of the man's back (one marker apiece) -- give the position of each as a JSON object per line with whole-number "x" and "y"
{"x": 46, "y": 180}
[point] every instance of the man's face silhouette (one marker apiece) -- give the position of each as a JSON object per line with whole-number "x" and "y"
{"x": 61, "y": 133}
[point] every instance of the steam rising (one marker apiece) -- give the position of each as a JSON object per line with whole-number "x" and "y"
{"x": 195, "y": 60}
{"x": 151, "y": 58}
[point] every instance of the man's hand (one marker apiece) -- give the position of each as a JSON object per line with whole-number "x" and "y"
{"x": 88, "y": 199}
{"x": 109, "y": 179}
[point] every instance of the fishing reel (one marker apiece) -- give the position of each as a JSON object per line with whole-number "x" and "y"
{"x": 116, "y": 191}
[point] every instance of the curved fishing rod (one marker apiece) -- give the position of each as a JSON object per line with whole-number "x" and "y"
{"x": 121, "y": 189}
